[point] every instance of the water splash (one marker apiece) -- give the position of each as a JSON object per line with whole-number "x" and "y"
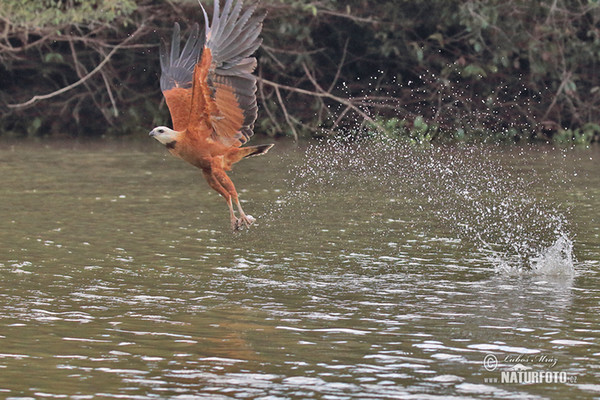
{"x": 485, "y": 195}
{"x": 556, "y": 259}
{"x": 505, "y": 211}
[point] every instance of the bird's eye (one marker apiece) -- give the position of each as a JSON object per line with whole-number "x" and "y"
{"x": 161, "y": 131}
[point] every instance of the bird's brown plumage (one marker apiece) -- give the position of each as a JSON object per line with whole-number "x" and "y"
{"x": 211, "y": 94}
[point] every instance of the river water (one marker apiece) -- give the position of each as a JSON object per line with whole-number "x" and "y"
{"x": 375, "y": 270}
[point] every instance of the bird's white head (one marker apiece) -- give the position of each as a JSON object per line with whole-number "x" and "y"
{"x": 165, "y": 135}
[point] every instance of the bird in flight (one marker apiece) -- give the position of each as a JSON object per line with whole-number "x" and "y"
{"x": 211, "y": 94}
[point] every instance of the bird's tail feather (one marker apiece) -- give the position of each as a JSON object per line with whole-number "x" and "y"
{"x": 244, "y": 152}
{"x": 257, "y": 150}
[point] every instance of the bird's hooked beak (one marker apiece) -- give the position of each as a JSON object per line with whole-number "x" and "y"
{"x": 152, "y": 133}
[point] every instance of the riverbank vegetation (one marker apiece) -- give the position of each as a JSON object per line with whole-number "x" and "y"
{"x": 495, "y": 70}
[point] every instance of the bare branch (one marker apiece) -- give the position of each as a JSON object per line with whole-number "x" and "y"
{"x": 340, "y": 66}
{"x": 261, "y": 90}
{"x": 110, "y": 94}
{"x": 351, "y": 17}
{"x": 285, "y": 113}
{"x": 322, "y": 93}
{"x": 560, "y": 89}
{"x": 82, "y": 80}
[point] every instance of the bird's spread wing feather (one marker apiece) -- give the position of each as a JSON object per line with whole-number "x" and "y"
{"x": 229, "y": 86}
{"x": 177, "y": 74}
{"x": 210, "y": 80}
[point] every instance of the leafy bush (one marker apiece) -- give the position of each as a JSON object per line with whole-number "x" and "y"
{"x": 42, "y": 14}
{"x": 428, "y": 69}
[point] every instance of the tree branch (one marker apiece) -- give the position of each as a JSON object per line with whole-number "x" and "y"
{"x": 82, "y": 80}
{"x": 322, "y": 93}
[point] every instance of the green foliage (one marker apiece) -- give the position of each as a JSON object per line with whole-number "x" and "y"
{"x": 417, "y": 132}
{"x": 54, "y": 58}
{"x": 579, "y": 136}
{"x": 49, "y": 44}
{"x": 500, "y": 70}
{"x": 34, "y": 126}
{"x": 35, "y": 14}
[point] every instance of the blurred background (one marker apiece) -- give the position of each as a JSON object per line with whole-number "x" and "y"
{"x": 424, "y": 70}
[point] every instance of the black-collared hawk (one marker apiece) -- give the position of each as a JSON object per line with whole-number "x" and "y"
{"x": 211, "y": 94}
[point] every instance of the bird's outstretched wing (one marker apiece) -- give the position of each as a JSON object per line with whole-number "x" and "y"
{"x": 177, "y": 74}
{"x": 224, "y": 89}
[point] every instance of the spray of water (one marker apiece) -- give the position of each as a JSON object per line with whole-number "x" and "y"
{"x": 480, "y": 197}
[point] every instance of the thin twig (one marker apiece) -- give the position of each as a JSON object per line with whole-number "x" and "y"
{"x": 351, "y": 17}
{"x": 340, "y": 117}
{"x": 340, "y": 100}
{"x": 346, "y": 102}
{"x": 261, "y": 90}
{"x": 110, "y": 94}
{"x": 82, "y": 80}
{"x": 285, "y": 113}
{"x": 566, "y": 78}
{"x": 340, "y": 66}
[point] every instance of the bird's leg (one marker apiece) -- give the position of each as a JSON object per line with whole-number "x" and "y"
{"x": 235, "y": 224}
{"x": 244, "y": 218}
{"x": 216, "y": 185}
{"x": 226, "y": 183}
